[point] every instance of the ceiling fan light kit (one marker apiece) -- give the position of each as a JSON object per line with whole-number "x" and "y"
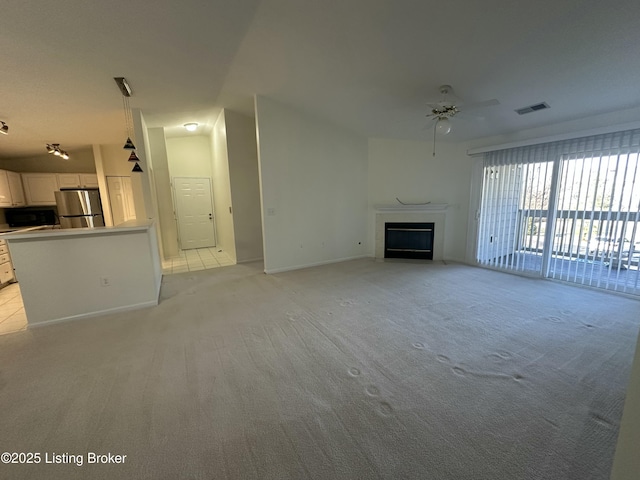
{"x": 445, "y": 109}
{"x": 443, "y": 126}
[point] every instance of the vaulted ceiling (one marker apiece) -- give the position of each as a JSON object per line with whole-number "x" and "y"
{"x": 371, "y": 66}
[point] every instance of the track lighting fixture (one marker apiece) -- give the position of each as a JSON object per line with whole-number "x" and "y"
{"x": 4, "y": 129}
{"x": 54, "y": 149}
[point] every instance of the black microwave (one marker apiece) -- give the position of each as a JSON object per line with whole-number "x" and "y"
{"x": 30, "y": 217}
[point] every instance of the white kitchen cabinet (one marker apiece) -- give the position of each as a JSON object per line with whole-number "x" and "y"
{"x": 40, "y": 188}
{"x": 6, "y": 267}
{"x": 5, "y": 193}
{"x": 11, "y": 192}
{"x": 68, "y": 180}
{"x": 77, "y": 180}
{"x": 16, "y": 188}
{"x": 89, "y": 180}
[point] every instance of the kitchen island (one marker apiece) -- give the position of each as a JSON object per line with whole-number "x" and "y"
{"x": 75, "y": 273}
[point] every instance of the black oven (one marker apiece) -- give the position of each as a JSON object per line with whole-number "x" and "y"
{"x": 30, "y": 217}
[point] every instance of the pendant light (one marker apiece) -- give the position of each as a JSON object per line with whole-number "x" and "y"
{"x": 128, "y": 119}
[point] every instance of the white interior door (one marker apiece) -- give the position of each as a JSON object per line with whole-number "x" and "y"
{"x": 121, "y": 199}
{"x": 194, "y": 212}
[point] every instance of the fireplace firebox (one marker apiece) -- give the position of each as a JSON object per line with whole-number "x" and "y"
{"x": 408, "y": 240}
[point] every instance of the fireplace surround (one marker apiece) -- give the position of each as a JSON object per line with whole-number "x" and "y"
{"x": 434, "y": 213}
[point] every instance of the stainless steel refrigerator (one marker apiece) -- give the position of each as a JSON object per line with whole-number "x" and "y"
{"x": 79, "y": 207}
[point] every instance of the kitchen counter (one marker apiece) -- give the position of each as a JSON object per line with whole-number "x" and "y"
{"x": 55, "y": 231}
{"x": 81, "y": 272}
{"x": 5, "y": 230}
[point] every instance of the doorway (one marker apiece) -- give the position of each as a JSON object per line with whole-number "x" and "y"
{"x": 194, "y": 212}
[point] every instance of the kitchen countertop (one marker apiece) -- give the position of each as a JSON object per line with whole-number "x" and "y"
{"x": 5, "y": 230}
{"x": 35, "y": 233}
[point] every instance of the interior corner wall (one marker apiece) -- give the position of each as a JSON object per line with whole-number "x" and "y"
{"x": 222, "y": 189}
{"x": 407, "y": 170}
{"x": 162, "y": 182}
{"x": 245, "y": 185}
{"x": 313, "y": 179}
{"x": 115, "y": 161}
{"x": 141, "y": 181}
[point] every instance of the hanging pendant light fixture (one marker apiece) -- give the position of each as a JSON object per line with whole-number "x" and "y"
{"x": 129, "y": 144}
{"x": 125, "y": 89}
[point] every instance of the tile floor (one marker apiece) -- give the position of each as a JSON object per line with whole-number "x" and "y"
{"x": 196, "y": 259}
{"x": 12, "y": 316}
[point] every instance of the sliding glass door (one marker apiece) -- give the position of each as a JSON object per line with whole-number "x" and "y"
{"x": 597, "y": 230}
{"x": 569, "y": 216}
{"x": 514, "y": 213}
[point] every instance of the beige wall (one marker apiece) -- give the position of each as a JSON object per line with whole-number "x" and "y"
{"x": 115, "y": 160}
{"x": 80, "y": 161}
{"x": 222, "y": 189}
{"x": 408, "y": 170}
{"x": 162, "y": 184}
{"x": 190, "y": 156}
{"x": 245, "y": 185}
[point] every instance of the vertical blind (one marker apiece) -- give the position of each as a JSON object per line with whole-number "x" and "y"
{"x": 567, "y": 210}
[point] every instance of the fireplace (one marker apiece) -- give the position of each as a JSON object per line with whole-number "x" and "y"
{"x": 409, "y": 240}
{"x": 435, "y": 214}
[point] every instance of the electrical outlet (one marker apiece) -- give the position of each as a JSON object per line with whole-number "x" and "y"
{"x": 105, "y": 282}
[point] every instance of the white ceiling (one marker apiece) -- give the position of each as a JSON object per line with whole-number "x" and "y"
{"x": 368, "y": 65}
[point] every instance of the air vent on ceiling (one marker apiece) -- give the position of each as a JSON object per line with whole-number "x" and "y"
{"x": 532, "y": 108}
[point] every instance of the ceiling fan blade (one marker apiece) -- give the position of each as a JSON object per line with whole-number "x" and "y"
{"x": 476, "y": 105}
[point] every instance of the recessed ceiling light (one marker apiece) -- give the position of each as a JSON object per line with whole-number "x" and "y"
{"x": 191, "y": 127}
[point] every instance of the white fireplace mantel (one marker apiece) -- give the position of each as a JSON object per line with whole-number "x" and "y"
{"x": 429, "y": 207}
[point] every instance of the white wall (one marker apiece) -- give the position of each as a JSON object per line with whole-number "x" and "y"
{"x": 313, "y": 179}
{"x": 409, "y": 171}
{"x": 245, "y": 185}
{"x": 162, "y": 179}
{"x": 222, "y": 189}
{"x": 190, "y": 156}
{"x": 626, "y": 463}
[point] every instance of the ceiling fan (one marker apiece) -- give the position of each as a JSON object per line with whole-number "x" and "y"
{"x": 447, "y": 108}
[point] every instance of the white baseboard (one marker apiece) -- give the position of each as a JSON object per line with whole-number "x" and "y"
{"x": 81, "y": 316}
{"x": 314, "y": 264}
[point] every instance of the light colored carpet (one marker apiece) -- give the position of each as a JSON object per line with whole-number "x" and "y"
{"x": 359, "y": 370}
